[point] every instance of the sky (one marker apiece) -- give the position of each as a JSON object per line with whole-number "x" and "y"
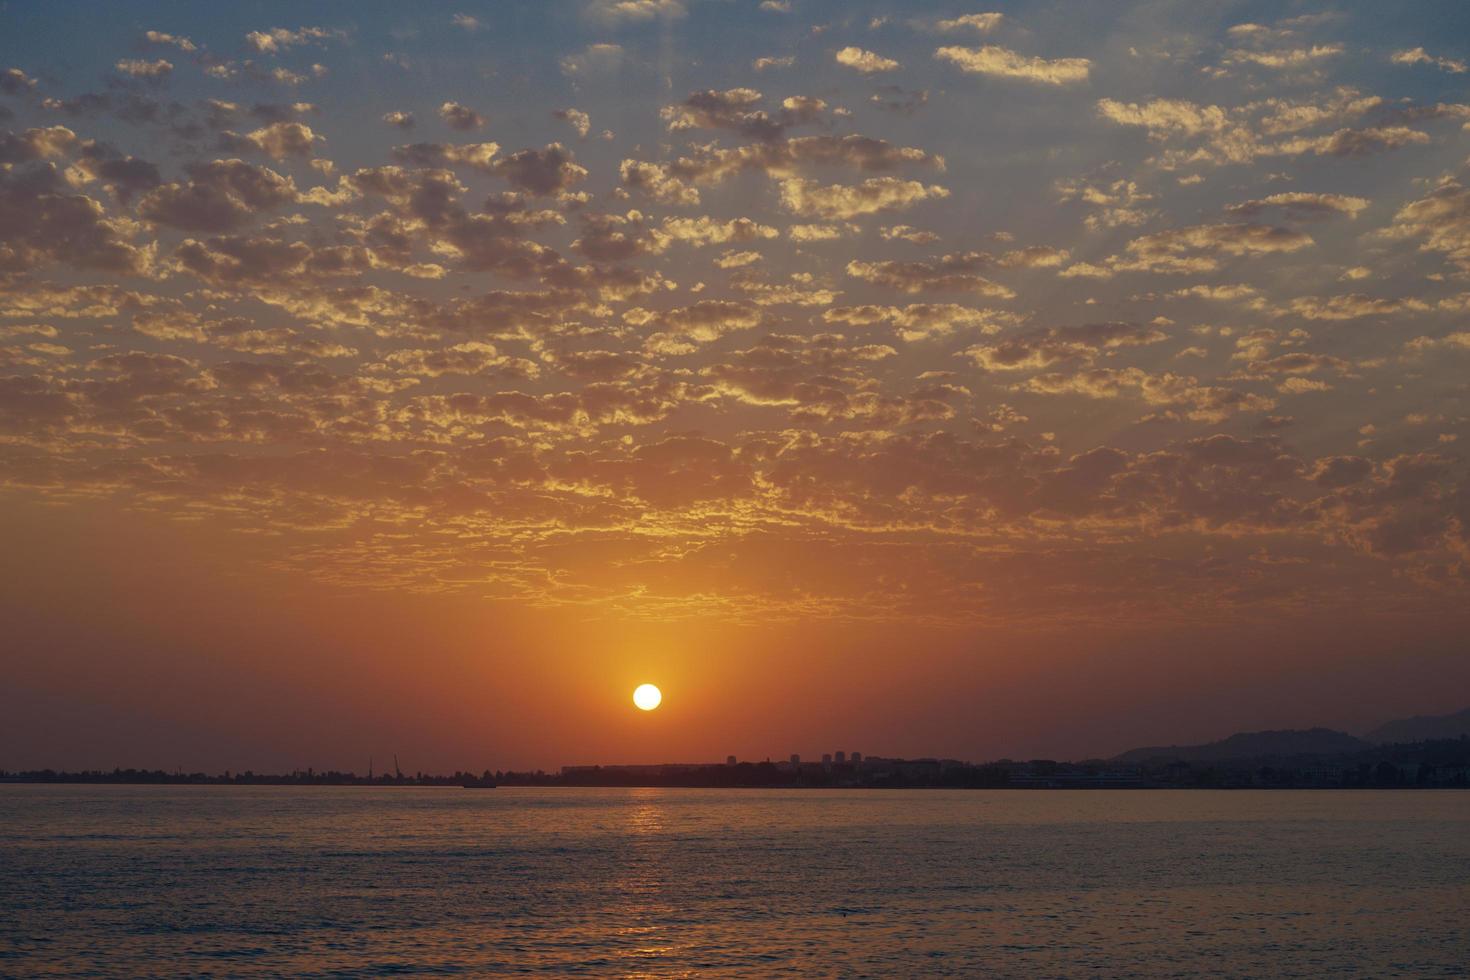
{"x": 1011, "y": 380}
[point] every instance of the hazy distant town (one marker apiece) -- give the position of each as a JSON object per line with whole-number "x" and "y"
{"x": 1426, "y": 753}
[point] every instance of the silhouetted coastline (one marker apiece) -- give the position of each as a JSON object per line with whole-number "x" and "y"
{"x": 305, "y": 777}
{"x": 1433, "y": 764}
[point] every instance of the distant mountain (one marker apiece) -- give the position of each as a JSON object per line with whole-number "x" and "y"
{"x": 1422, "y": 728}
{"x": 1253, "y": 745}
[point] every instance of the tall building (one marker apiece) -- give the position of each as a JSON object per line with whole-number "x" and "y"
{"x": 857, "y": 758}
{"x": 840, "y": 758}
{"x": 795, "y": 759}
{"x": 729, "y": 760}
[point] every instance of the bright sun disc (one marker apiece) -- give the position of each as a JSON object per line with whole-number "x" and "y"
{"x": 647, "y": 697}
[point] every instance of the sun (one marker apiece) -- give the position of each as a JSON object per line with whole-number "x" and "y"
{"x": 647, "y": 697}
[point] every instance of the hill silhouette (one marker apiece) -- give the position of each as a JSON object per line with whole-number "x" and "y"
{"x": 1253, "y": 745}
{"x": 1422, "y": 728}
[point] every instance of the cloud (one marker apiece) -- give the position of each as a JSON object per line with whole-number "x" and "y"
{"x": 470, "y": 358}
{"x": 578, "y": 119}
{"x": 1353, "y": 306}
{"x": 278, "y": 39}
{"x": 238, "y": 334}
{"x": 288, "y": 77}
{"x": 762, "y": 64}
{"x": 979, "y": 23}
{"x": 799, "y": 291}
{"x": 220, "y": 196}
{"x": 1177, "y": 397}
{"x": 1227, "y": 292}
{"x": 866, "y": 62}
{"x": 843, "y": 201}
{"x": 700, "y": 322}
{"x": 737, "y": 110}
{"x": 277, "y": 141}
{"x": 949, "y": 273}
{"x": 541, "y": 172}
{"x": 655, "y": 180}
{"x": 615, "y": 12}
{"x": 1294, "y": 363}
{"x": 1440, "y": 222}
{"x": 705, "y": 230}
{"x": 149, "y": 70}
{"x": 1118, "y": 204}
{"x": 790, "y": 158}
{"x": 36, "y": 144}
{"x": 1241, "y": 135}
{"x": 817, "y": 233}
{"x": 399, "y": 119}
{"x": 1003, "y": 63}
{"x": 480, "y": 156}
{"x": 1197, "y": 248}
{"x": 593, "y": 59}
{"x": 1335, "y": 472}
{"x": 124, "y": 175}
{"x": 43, "y": 220}
{"x": 1165, "y": 116}
{"x": 908, "y": 233}
{"x": 1045, "y": 348}
{"x": 813, "y": 377}
{"x": 227, "y": 260}
{"x": 1418, "y": 56}
{"x": 1459, "y": 340}
{"x": 13, "y": 81}
{"x": 894, "y": 98}
{"x": 1356, "y": 142}
{"x": 460, "y": 117}
{"x": 466, "y": 22}
{"x": 923, "y": 321}
{"x": 1302, "y": 206}
{"x": 614, "y": 238}
{"x": 1343, "y": 103}
{"x": 1286, "y": 57}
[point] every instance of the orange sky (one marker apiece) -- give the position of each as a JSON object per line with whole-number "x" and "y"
{"x": 144, "y": 643}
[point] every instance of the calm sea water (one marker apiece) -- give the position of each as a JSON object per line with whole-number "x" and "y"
{"x": 221, "y": 881}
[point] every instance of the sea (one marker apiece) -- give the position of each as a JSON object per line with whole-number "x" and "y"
{"x": 222, "y": 881}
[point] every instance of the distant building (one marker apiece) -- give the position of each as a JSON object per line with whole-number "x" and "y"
{"x": 795, "y": 760}
{"x": 729, "y": 760}
{"x": 826, "y": 760}
{"x": 840, "y": 758}
{"x": 1323, "y": 775}
{"x": 857, "y": 758}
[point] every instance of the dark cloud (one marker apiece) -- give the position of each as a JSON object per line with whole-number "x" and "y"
{"x": 737, "y": 110}
{"x": 541, "y": 172}
{"x": 223, "y": 195}
{"x": 126, "y": 176}
{"x": 895, "y": 98}
{"x": 42, "y": 219}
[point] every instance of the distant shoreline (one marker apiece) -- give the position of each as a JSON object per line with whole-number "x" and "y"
{"x": 511, "y": 781}
{"x": 1429, "y": 764}
{"x": 1151, "y": 787}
